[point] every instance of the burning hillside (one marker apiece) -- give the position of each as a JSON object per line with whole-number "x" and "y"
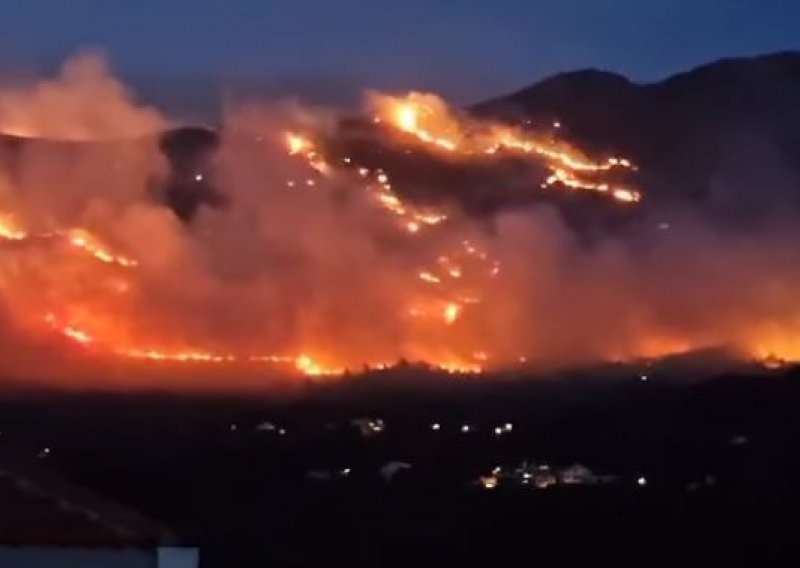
{"x": 319, "y": 260}
{"x": 429, "y": 120}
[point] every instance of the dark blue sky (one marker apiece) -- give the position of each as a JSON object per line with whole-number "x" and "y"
{"x": 467, "y": 49}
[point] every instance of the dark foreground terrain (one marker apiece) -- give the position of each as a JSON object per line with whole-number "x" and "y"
{"x": 688, "y": 471}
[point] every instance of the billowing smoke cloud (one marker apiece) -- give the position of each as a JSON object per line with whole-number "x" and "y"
{"x": 646, "y": 294}
{"x": 317, "y": 263}
{"x": 84, "y": 102}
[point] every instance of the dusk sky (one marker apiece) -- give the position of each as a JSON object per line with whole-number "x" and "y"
{"x": 466, "y": 49}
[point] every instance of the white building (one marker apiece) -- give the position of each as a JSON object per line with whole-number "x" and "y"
{"x": 577, "y": 474}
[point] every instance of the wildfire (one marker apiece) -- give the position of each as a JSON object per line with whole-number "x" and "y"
{"x": 297, "y": 144}
{"x": 406, "y": 117}
{"x": 451, "y": 313}
{"x": 79, "y": 239}
{"x": 429, "y": 120}
{"x": 85, "y": 241}
{"x": 9, "y": 229}
{"x": 308, "y": 366}
{"x": 378, "y": 185}
{"x": 303, "y": 363}
{"x": 450, "y": 282}
{"x": 448, "y": 286}
{"x": 429, "y": 278}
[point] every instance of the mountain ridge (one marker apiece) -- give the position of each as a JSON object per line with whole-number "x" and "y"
{"x": 690, "y": 133}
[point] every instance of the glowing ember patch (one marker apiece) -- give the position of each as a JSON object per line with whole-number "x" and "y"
{"x": 407, "y": 117}
{"x": 77, "y": 335}
{"x": 297, "y": 144}
{"x": 70, "y": 332}
{"x": 451, "y": 313}
{"x": 431, "y": 218}
{"x": 428, "y": 277}
{"x": 308, "y": 366}
{"x": 81, "y": 239}
{"x": 626, "y": 195}
{"x": 459, "y": 368}
{"x": 9, "y": 229}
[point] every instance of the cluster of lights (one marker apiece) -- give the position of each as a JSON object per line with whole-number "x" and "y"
{"x": 504, "y": 429}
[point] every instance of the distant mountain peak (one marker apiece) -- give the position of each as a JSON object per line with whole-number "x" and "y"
{"x": 781, "y": 60}
{"x": 583, "y": 78}
{"x": 779, "y": 65}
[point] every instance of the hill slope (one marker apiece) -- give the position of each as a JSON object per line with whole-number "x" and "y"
{"x": 726, "y": 134}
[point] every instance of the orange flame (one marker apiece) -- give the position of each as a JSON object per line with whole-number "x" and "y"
{"x": 429, "y": 120}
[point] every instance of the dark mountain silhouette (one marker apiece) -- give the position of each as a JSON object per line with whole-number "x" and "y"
{"x": 724, "y": 135}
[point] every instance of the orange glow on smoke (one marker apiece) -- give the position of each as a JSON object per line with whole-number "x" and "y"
{"x": 771, "y": 343}
{"x": 439, "y": 302}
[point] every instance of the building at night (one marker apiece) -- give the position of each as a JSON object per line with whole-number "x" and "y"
{"x": 46, "y": 523}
